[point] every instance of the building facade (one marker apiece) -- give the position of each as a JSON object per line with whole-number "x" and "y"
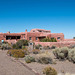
{"x": 34, "y": 35}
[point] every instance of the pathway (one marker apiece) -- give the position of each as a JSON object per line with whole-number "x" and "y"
{"x": 9, "y": 67}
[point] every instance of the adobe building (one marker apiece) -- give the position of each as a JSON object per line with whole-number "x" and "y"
{"x": 35, "y": 35}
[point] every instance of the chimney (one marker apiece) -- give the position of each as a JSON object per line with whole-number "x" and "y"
{"x": 26, "y": 30}
{"x": 8, "y": 32}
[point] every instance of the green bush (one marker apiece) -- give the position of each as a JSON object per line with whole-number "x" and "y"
{"x": 20, "y": 44}
{"x": 29, "y": 59}
{"x": 61, "y": 53}
{"x": 16, "y": 53}
{"x": 44, "y": 58}
{"x": 48, "y": 40}
{"x": 53, "y": 40}
{"x": 71, "y": 55}
{"x": 49, "y": 71}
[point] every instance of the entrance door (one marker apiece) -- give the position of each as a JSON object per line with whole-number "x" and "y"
{"x": 30, "y": 46}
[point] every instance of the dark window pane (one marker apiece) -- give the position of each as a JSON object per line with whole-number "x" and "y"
{"x": 29, "y": 38}
{"x": 58, "y": 37}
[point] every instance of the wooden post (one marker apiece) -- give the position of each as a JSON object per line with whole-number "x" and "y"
{"x": 10, "y": 37}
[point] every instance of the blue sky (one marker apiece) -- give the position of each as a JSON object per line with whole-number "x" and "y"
{"x": 55, "y": 15}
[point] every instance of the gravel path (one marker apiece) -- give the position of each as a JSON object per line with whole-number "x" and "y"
{"x": 9, "y": 67}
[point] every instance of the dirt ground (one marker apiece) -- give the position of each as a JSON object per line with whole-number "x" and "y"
{"x": 60, "y": 66}
{"x": 8, "y": 67}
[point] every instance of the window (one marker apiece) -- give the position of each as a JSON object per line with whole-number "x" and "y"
{"x": 39, "y": 30}
{"x": 24, "y": 37}
{"x": 36, "y": 38}
{"x": 30, "y": 38}
{"x": 58, "y": 38}
{"x": 8, "y": 37}
{"x": 21, "y": 37}
{"x": 30, "y": 43}
{"x": 33, "y": 31}
{"x": 18, "y": 37}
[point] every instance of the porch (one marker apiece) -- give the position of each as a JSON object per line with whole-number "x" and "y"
{"x": 13, "y": 37}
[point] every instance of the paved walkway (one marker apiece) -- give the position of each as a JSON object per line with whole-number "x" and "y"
{"x": 9, "y": 67}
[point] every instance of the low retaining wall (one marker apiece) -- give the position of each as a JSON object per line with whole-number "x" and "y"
{"x": 11, "y": 41}
{"x": 69, "y": 39}
{"x": 57, "y": 44}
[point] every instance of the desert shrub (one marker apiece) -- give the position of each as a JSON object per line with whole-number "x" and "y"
{"x": 37, "y": 46}
{"x": 44, "y": 58}
{"x": 14, "y": 46}
{"x": 49, "y": 71}
{"x": 65, "y": 53}
{"x": 61, "y": 53}
{"x": 36, "y": 51}
{"x": 48, "y": 40}
{"x": 71, "y": 55}
{"x": 53, "y": 47}
{"x": 20, "y": 44}
{"x": 23, "y": 42}
{"x": 5, "y": 46}
{"x": 5, "y": 42}
{"x": 72, "y": 46}
{"x": 73, "y": 37}
{"x": 19, "y": 54}
{"x": 26, "y": 52}
{"x": 46, "y": 47}
{"x": 29, "y": 59}
{"x": 56, "y": 51}
{"x": 16, "y": 53}
{"x": 23, "y": 47}
{"x": 0, "y": 43}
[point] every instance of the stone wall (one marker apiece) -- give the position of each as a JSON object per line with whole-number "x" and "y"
{"x": 58, "y": 44}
